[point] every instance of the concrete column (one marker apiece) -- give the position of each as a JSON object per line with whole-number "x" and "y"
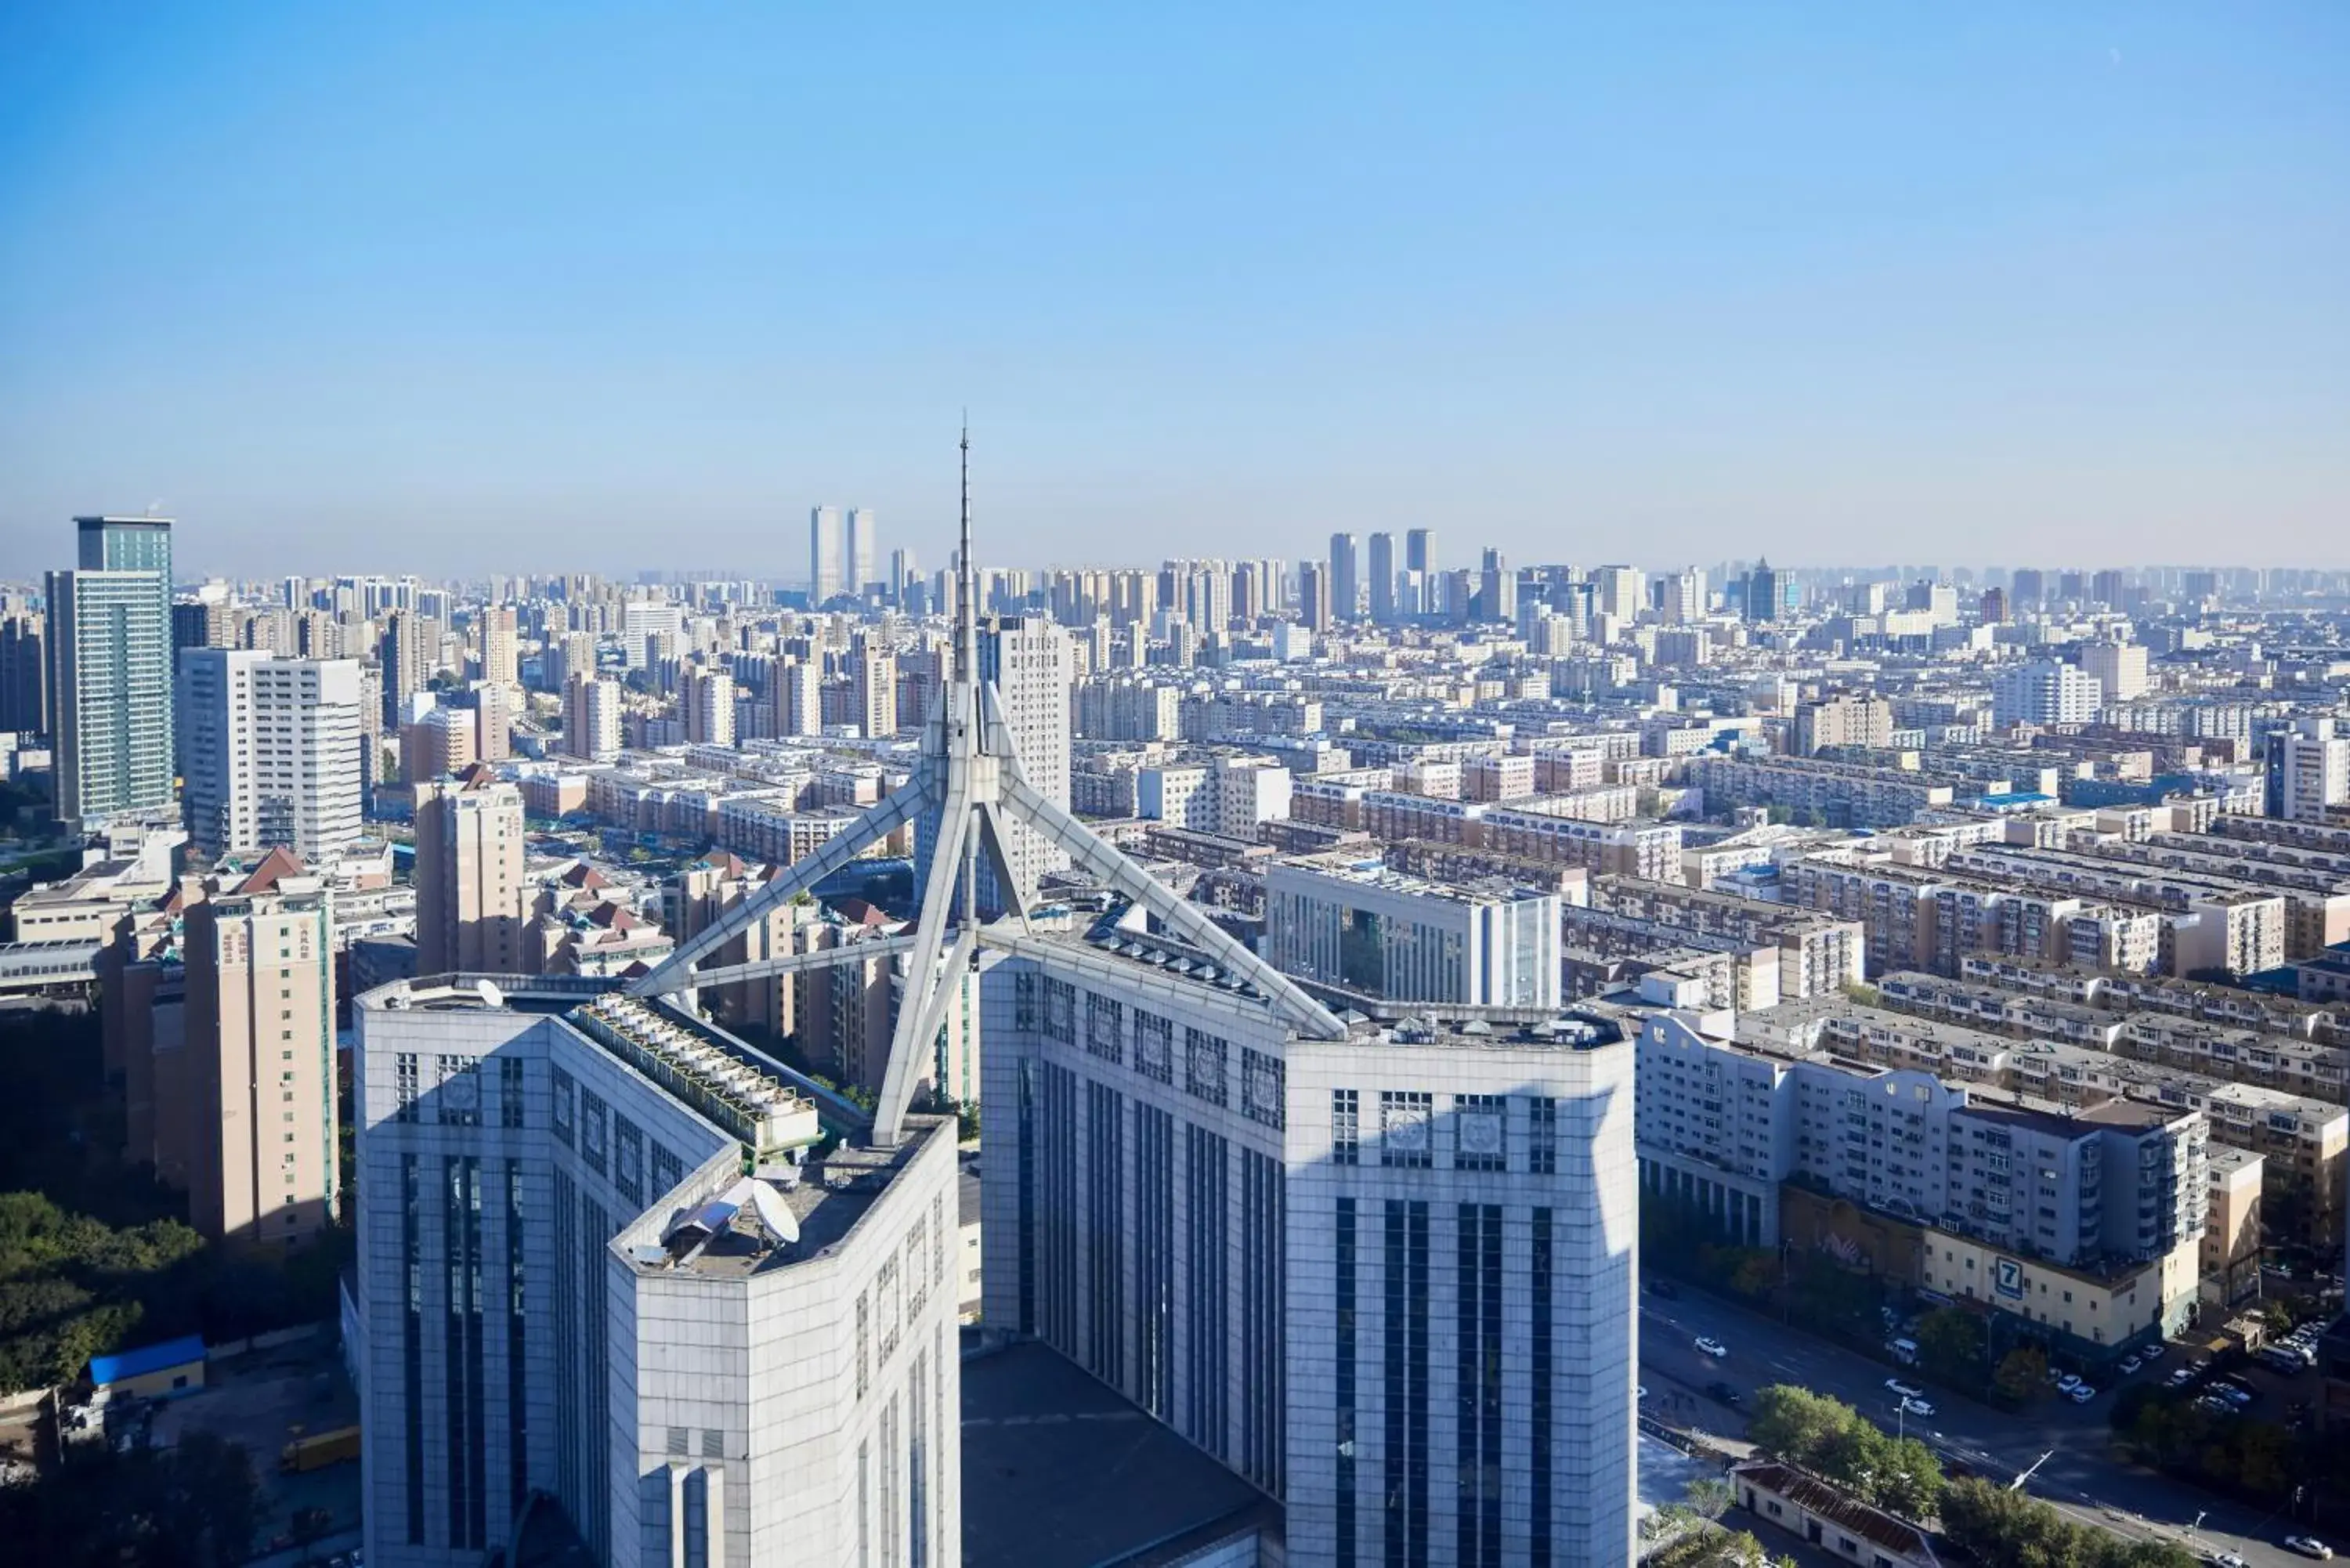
{"x": 677, "y": 1473}
{"x": 713, "y": 1482}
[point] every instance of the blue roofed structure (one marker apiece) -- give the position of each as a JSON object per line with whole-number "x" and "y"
{"x": 146, "y": 1361}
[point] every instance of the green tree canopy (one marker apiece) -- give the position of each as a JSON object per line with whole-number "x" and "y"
{"x": 1838, "y": 1443}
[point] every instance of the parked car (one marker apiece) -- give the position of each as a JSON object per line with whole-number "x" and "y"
{"x": 2152, "y": 1352}
{"x": 1712, "y": 1348}
{"x": 2180, "y": 1377}
{"x": 1724, "y": 1393}
{"x": 2309, "y": 1546}
{"x": 1916, "y": 1406}
{"x": 1907, "y": 1390}
{"x": 2066, "y": 1382}
{"x": 2130, "y": 1363}
{"x": 2226, "y": 1560}
{"x": 2080, "y": 1392}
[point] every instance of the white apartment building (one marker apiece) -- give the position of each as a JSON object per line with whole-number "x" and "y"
{"x": 1030, "y": 662}
{"x": 591, "y": 718}
{"x": 2119, "y": 668}
{"x": 2044, "y": 692}
{"x": 1348, "y": 922}
{"x": 1232, "y": 795}
{"x": 1721, "y": 1123}
{"x": 1388, "y": 1279}
{"x": 567, "y": 1284}
{"x": 271, "y": 751}
{"x": 2308, "y": 770}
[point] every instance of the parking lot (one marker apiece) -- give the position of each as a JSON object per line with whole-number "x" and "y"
{"x": 265, "y": 1400}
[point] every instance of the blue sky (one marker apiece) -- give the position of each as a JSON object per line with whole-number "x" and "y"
{"x": 454, "y": 289}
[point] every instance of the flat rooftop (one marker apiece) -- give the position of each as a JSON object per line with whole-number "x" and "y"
{"x": 831, "y": 1195}
{"x": 1061, "y": 1471}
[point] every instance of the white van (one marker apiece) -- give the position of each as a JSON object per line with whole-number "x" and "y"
{"x": 1903, "y": 1351}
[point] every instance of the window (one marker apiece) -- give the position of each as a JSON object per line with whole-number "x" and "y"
{"x": 1346, "y": 1112}
{"x": 1542, "y": 1136}
{"x": 1154, "y": 1047}
{"x": 1477, "y": 1127}
{"x": 1262, "y": 1091}
{"x": 1060, "y": 1010}
{"x": 1105, "y": 1027}
{"x": 1404, "y": 1117}
{"x": 1204, "y": 1066}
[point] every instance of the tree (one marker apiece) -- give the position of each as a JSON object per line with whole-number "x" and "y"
{"x": 1709, "y": 1497}
{"x": 2023, "y": 1373}
{"x": 1754, "y": 1276}
{"x": 1908, "y": 1480}
{"x": 2011, "y": 1527}
{"x": 1951, "y": 1343}
{"x": 195, "y": 1506}
{"x": 1836, "y": 1442}
{"x": 308, "y": 1527}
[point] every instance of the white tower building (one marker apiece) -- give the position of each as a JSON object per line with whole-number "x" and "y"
{"x": 270, "y": 751}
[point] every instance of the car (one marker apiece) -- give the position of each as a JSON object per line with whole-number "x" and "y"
{"x": 2080, "y": 1392}
{"x": 2226, "y": 1560}
{"x": 2309, "y": 1546}
{"x": 2180, "y": 1378}
{"x": 1907, "y": 1390}
{"x": 2199, "y": 1366}
{"x": 2130, "y": 1363}
{"x": 1712, "y": 1348}
{"x": 1725, "y": 1394}
{"x": 2214, "y": 1404}
{"x": 1664, "y": 1288}
{"x": 1916, "y": 1406}
{"x": 2237, "y": 1397}
{"x": 2151, "y": 1354}
{"x": 2067, "y": 1382}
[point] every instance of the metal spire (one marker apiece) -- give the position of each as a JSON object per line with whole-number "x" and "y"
{"x": 966, "y": 791}
{"x": 966, "y": 627}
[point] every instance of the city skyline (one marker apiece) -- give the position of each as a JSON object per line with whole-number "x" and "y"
{"x": 1733, "y": 289}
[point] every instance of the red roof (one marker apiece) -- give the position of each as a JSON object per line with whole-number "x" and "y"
{"x": 278, "y": 865}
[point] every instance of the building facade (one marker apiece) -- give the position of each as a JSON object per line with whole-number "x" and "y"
{"x": 471, "y": 897}
{"x": 272, "y": 752}
{"x": 1390, "y": 1280}
{"x": 568, "y": 1284}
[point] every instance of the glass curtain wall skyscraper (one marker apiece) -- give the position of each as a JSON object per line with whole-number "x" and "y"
{"x": 110, "y": 669}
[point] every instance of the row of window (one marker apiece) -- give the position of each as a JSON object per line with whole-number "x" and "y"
{"x": 1049, "y": 1006}
{"x": 1480, "y": 1125}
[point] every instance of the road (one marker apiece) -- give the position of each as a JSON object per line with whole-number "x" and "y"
{"x": 2077, "y": 1476}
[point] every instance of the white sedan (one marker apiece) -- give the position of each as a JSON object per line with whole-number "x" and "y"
{"x": 1712, "y": 1348}
{"x": 1907, "y": 1390}
{"x": 1916, "y": 1406}
{"x": 2081, "y": 1393}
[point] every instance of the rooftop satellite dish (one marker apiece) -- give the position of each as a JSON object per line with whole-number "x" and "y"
{"x": 491, "y": 996}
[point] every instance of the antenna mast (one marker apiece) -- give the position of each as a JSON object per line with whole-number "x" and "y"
{"x": 966, "y": 634}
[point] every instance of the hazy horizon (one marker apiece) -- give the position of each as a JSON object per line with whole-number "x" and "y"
{"x": 540, "y": 288}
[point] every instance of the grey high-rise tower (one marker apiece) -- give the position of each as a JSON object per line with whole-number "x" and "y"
{"x": 1419, "y": 550}
{"x": 864, "y": 550}
{"x": 1346, "y": 577}
{"x": 1383, "y": 578}
{"x": 827, "y": 554}
{"x": 110, "y": 657}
